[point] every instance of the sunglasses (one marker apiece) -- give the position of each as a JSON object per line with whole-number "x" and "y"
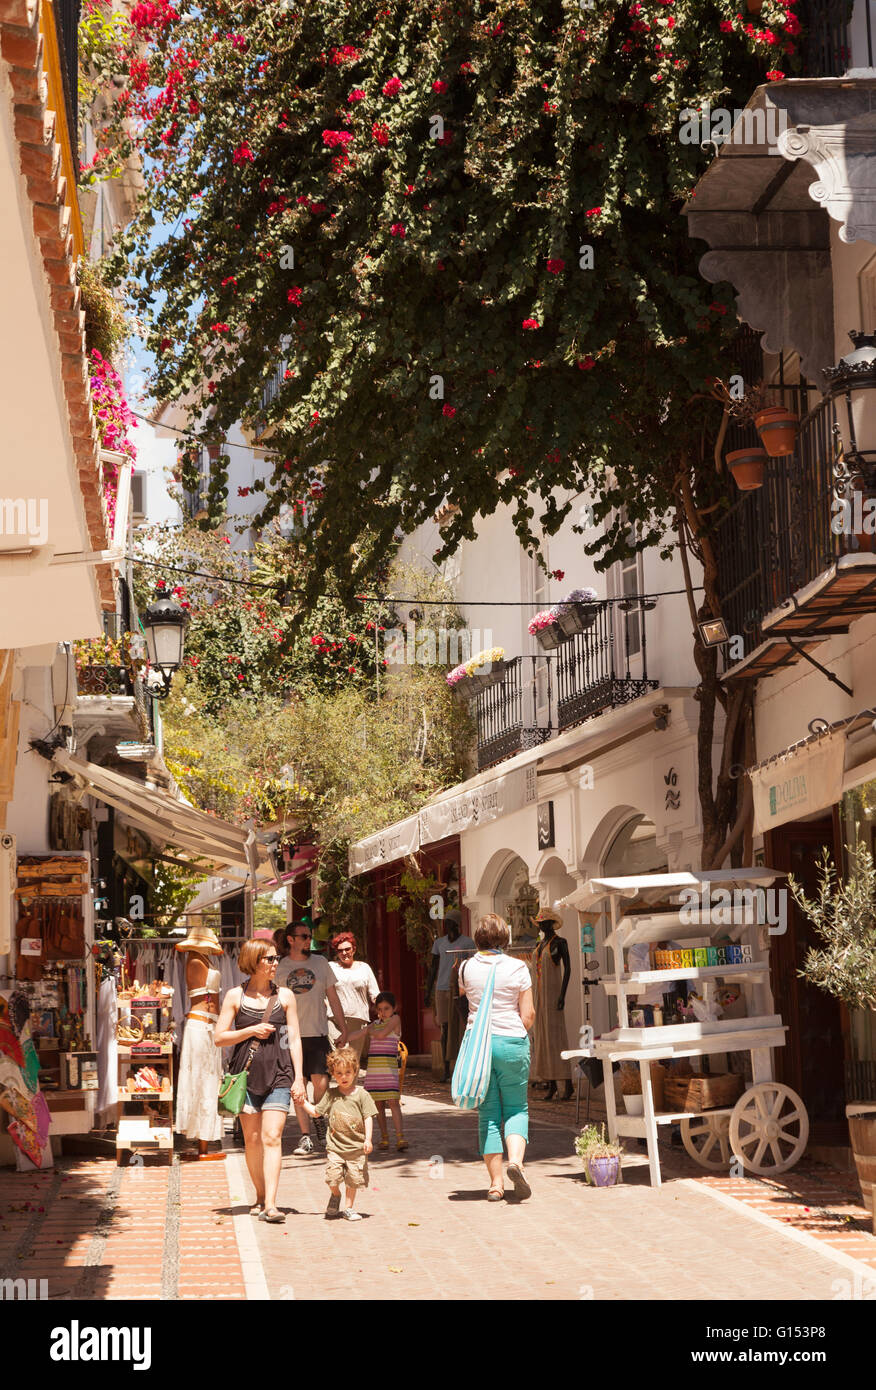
{"x": 345, "y": 950}
{"x": 270, "y": 960}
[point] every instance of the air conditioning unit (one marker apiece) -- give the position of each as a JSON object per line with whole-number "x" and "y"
{"x": 8, "y": 869}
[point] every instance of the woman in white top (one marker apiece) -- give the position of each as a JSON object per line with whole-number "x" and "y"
{"x": 511, "y": 1017}
{"x": 200, "y": 1066}
{"x": 357, "y": 989}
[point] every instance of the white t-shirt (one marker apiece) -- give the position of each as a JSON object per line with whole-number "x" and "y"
{"x": 308, "y": 980}
{"x": 511, "y": 977}
{"x": 356, "y": 987}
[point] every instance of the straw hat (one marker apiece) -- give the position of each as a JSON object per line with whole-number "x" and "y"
{"x": 201, "y": 939}
{"x": 547, "y": 914}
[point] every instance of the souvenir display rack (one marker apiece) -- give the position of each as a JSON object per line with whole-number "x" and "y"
{"x": 53, "y": 967}
{"x": 145, "y": 1055}
{"x": 767, "y": 1129}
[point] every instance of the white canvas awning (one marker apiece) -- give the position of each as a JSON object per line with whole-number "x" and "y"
{"x": 657, "y": 886}
{"x": 385, "y": 847}
{"x": 190, "y": 834}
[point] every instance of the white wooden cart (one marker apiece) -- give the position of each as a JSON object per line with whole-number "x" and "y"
{"x": 768, "y": 1128}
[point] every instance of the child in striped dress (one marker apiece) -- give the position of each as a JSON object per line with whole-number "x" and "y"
{"x": 381, "y": 1075}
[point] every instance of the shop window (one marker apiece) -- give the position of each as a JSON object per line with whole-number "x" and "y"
{"x": 516, "y": 899}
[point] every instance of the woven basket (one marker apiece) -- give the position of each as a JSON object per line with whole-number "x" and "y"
{"x": 695, "y": 1093}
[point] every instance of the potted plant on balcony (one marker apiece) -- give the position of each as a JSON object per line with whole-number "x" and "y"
{"x": 482, "y": 671}
{"x": 577, "y": 611}
{"x": 777, "y": 427}
{"x": 546, "y": 630}
{"x": 844, "y": 917}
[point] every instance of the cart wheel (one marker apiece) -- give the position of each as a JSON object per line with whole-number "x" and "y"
{"x": 769, "y": 1128}
{"x": 707, "y": 1139}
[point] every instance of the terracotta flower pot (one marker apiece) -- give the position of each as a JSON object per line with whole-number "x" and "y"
{"x": 777, "y": 429}
{"x": 747, "y": 467}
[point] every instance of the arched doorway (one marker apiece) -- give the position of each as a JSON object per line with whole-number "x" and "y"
{"x": 516, "y": 899}
{"x": 633, "y": 850}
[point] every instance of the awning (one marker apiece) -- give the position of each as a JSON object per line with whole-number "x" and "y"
{"x": 800, "y": 781}
{"x": 191, "y": 834}
{"x": 660, "y": 886}
{"x": 390, "y": 844}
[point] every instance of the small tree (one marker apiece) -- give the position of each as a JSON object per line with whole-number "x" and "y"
{"x": 844, "y": 917}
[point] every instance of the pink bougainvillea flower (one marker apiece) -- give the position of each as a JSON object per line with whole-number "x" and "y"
{"x": 392, "y": 87}
{"x": 356, "y": 95}
{"x": 397, "y": 229}
{"x": 555, "y": 265}
{"x": 593, "y": 212}
{"x": 336, "y": 137}
{"x": 439, "y": 86}
{"x": 380, "y": 133}
{"x": 449, "y": 411}
{"x": 294, "y": 295}
{"x": 347, "y": 54}
{"x": 775, "y": 76}
{"x": 531, "y": 323}
{"x": 243, "y": 154}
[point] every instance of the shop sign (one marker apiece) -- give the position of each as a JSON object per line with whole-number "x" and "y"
{"x": 803, "y": 780}
{"x": 497, "y": 798}
{"x": 30, "y": 946}
{"x": 546, "y": 833}
{"x": 385, "y": 847}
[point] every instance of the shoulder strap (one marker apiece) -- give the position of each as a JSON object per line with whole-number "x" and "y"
{"x": 269, "y": 1009}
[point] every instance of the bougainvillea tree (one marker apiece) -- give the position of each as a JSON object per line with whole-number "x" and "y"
{"x": 455, "y": 229}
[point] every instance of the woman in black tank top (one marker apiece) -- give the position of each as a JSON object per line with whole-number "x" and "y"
{"x": 272, "y": 1048}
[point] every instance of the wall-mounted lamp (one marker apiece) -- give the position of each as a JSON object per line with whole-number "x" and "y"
{"x": 713, "y": 632}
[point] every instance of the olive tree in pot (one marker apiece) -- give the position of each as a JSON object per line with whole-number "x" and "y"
{"x": 844, "y": 917}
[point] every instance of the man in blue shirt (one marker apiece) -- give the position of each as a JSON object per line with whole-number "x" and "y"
{"x": 447, "y": 951}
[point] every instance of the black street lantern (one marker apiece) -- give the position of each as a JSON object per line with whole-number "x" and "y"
{"x": 165, "y": 624}
{"x": 850, "y": 385}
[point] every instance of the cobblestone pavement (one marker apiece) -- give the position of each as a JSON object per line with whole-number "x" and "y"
{"x": 181, "y": 1232}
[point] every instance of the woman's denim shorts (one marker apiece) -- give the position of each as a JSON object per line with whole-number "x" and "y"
{"x": 277, "y": 1099}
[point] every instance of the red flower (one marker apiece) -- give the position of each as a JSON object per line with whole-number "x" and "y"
{"x": 287, "y": 375}
{"x": 555, "y": 266}
{"x": 356, "y": 95}
{"x": 392, "y": 87}
{"x": 550, "y": 106}
{"x": 351, "y": 637}
{"x": 314, "y": 418}
{"x": 465, "y": 67}
{"x": 593, "y": 212}
{"x": 397, "y": 229}
{"x": 164, "y": 344}
{"x": 726, "y": 26}
{"x": 294, "y": 295}
{"x": 558, "y": 574}
{"x": 243, "y": 154}
{"x": 243, "y": 492}
{"x": 531, "y": 323}
{"x": 336, "y": 137}
{"x": 449, "y": 411}
{"x": 346, "y": 54}
{"x": 439, "y": 86}
{"x": 446, "y": 138}
{"x": 380, "y": 133}
{"x": 218, "y": 327}
{"x": 775, "y": 76}
{"x": 586, "y": 363}
{"x": 352, "y": 670}
{"x": 229, "y": 280}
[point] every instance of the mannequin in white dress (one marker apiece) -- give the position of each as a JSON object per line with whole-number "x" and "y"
{"x": 200, "y": 1066}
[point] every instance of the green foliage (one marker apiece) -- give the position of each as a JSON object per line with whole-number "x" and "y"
{"x": 844, "y": 916}
{"x": 106, "y": 327}
{"x": 268, "y": 914}
{"x": 310, "y": 133}
{"x": 172, "y": 888}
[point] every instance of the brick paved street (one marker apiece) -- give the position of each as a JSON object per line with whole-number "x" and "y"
{"x": 93, "y": 1230}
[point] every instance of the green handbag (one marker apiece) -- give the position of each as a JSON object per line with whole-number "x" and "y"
{"x": 232, "y": 1092}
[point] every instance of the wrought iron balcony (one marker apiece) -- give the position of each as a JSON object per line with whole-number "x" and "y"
{"x": 836, "y": 35}
{"x": 540, "y": 696}
{"x": 779, "y": 556}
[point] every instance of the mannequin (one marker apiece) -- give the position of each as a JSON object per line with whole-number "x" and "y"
{"x": 552, "y": 969}
{"x": 200, "y": 1066}
{"x": 447, "y": 953}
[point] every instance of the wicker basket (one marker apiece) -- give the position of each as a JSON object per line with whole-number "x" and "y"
{"x": 695, "y": 1093}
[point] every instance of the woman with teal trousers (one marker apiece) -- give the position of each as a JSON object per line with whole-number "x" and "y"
{"x": 504, "y": 1107}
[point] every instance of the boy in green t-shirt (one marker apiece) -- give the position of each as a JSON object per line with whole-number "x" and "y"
{"x": 350, "y": 1112}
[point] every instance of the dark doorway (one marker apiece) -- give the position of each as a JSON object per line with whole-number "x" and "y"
{"x": 811, "y": 1062}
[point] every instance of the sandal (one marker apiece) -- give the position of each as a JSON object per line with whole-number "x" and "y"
{"x": 522, "y": 1190}
{"x": 402, "y": 1145}
{"x": 257, "y": 1209}
{"x": 274, "y": 1216}
{"x": 384, "y": 1144}
{"x": 495, "y": 1195}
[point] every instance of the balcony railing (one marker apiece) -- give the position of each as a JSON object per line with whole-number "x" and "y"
{"x": 539, "y": 696}
{"x": 829, "y": 26}
{"x": 774, "y": 540}
{"x": 67, "y": 14}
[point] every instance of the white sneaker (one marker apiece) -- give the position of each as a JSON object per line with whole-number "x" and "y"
{"x": 350, "y": 1215}
{"x": 305, "y": 1145}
